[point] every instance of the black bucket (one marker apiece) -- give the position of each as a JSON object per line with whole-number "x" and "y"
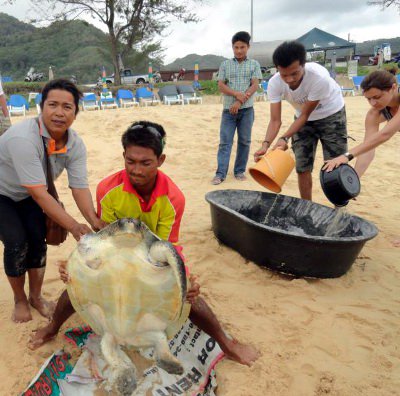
{"x": 340, "y": 185}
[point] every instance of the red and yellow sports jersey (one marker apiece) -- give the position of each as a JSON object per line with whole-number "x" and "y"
{"x": 117, "y": 199}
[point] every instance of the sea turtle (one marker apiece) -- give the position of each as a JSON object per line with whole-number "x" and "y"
{"x": 130, "y": 287}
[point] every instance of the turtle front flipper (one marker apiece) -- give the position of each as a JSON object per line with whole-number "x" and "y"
{"x": 164, "y": 252}
{"x": 123, "y": 372}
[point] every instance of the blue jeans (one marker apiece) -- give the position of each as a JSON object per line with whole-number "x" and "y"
{"x": 243, "y": 122}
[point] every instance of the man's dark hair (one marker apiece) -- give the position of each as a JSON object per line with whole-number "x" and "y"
{"x": 145, "y": 134}
{"x": 241, "y": 36}
{"x": 288, "y": 52}
{"x": 379, "y": 79}
{"x": 64, "y": 85}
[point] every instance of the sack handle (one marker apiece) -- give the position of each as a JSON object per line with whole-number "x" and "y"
{"x": 51, "y": 188}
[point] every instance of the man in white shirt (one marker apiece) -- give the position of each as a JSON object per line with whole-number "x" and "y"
{"x": 4, "y": 116}
{"x": 320, "y": 112}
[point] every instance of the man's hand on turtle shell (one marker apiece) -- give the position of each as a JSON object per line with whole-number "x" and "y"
{"x": 194, "y": 290}
{"x": 62, "y": 269}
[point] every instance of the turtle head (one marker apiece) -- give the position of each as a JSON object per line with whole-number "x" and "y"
{"x": 122, "y": 226}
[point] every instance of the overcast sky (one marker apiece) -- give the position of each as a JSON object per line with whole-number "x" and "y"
{"x": 273, "y": 20}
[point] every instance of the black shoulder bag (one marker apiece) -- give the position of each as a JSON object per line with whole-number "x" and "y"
{"x": 55, "y": 233}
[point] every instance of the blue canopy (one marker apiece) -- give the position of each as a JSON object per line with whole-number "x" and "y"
{"x": 318, "y": 40}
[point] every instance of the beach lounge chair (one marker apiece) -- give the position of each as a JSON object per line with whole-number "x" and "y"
{"x": 17, "y": 104}
{"x": 89, "y": 102}
{"x": 125, "y": 98}
{"x": 357, "y": 80}
{"x": 347, "y": 90}
{"x": 38, "y": 99}
{"x": 146, "y": 97}
{"x": 261, "y": 93}
{"x": 32, "y": 96}
{"x": 107, "y": 101}
{"x": 169, "y": 95}
{"x": 188, "y": 94}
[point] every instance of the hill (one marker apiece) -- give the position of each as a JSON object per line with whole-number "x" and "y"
{"x": 79, "y": 48}
{"x": 74, "y": 47}
{"x": 367, "y": 47}
{"x": 188, "y": 62}
{"x": 10, "y": 26}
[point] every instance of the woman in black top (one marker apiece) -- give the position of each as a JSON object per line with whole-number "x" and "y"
{"x": 381, "y": 90}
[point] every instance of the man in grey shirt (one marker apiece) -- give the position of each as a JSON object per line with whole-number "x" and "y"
{"x": 24, "y": 199}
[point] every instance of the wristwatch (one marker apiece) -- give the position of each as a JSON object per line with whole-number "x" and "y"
{"x": 349, "y": 156}
{"x": 285, "y": 138}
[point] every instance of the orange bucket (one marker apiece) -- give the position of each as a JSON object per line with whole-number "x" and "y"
{"x": 272, "y": 170}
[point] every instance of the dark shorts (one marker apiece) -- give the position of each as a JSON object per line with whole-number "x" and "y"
{"x": 23, "y": 233}
{"x": 331, "y": 131}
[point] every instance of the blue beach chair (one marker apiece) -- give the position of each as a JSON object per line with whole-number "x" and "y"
{"x": 145, "y": 97}
{"x": 89, "y": 102}
{"x": 17, "y": 104}
{"x": 38, "y": 99}
{"x": 125, "y": 98}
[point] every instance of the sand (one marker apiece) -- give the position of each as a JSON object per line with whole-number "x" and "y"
{"x": 316, "y": 337}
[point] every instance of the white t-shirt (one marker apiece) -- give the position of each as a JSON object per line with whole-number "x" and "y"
{"x": 1, "y": 89}
{"x": 317, "y": 84}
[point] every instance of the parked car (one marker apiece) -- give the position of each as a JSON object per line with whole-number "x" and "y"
{"x": 396, "y": 59}
{"x": 127, "y": 77}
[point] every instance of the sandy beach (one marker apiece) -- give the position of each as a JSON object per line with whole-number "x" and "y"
{"x": 316, "y": 337}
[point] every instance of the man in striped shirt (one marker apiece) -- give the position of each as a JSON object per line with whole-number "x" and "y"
{"x": 238, "y": 80}
{"x": 143, "y": 192}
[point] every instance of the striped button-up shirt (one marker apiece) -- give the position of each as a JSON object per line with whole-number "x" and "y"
{"x": 238, "y": 76}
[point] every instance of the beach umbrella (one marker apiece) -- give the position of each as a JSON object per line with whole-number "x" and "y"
{"x": 51, "y": 73}
{"x": 151, "y": 74}
{"x": 196, "y": 76}
{"x": 103, "y": 78}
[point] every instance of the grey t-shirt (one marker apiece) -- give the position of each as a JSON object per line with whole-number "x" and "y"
{"x": 23, "y": 163}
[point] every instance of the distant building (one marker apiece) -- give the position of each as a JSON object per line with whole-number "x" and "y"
{"x": 262, "y": 51}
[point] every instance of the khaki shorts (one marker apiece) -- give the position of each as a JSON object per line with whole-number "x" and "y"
{"x": 5, "y": 123}
{"x": 331, "y": 131}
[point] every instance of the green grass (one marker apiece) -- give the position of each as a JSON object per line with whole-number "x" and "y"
{"x": 209, "y": 87}
{"x": 364, "y": 70}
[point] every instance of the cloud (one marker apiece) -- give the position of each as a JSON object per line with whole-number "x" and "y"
{"x": 273, "y": 20}
{"x": 285, "y": 19}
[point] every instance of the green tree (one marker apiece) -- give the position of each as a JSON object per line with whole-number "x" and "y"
{"x": 385, "y": 3}
{"x": 129, "y": 23}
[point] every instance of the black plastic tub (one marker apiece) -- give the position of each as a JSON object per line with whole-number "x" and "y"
{"x": 288, "y": 234}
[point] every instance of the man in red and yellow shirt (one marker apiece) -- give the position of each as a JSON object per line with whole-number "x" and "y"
{"x": 117, "y": 198}
{"x": 143, "y": 192}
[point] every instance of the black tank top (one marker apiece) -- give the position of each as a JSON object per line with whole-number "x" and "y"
{"x": 386, "y": 113}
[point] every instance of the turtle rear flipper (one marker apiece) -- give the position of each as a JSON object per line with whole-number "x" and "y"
{"x": 164, "y": 358}
{"x": 123, "y": 372}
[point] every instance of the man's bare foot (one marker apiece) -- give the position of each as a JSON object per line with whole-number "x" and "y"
{"x": 21, "y": 312}
{"x": 44, "y": 307}
{"x": 396, "y": 242}
{"x": 41, "y": 336}
{"x": 243, "y": 354}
